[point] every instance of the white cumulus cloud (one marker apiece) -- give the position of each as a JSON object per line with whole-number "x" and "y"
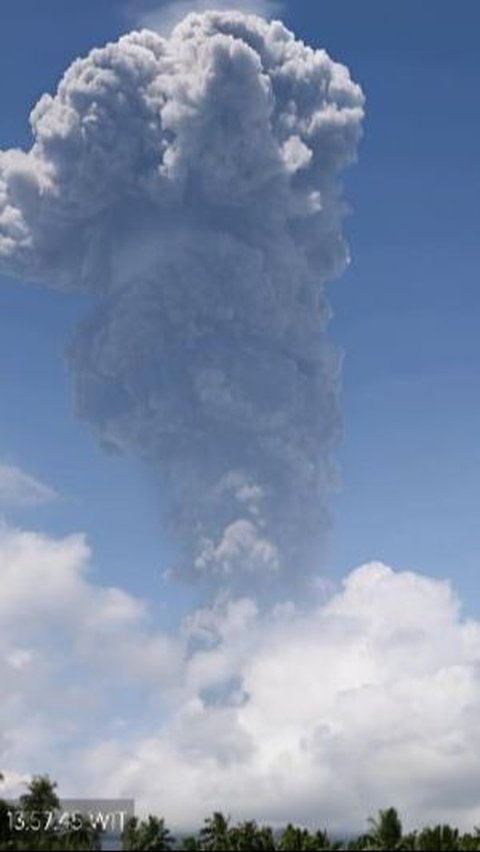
{"x": 319, "y": 715}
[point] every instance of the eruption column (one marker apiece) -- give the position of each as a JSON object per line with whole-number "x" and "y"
{"x": 190, "y": 184}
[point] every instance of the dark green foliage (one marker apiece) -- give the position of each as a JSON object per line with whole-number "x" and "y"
{"x": 4, "y": 824}
{"x": 302, "y": 840}
{"x": 439, "y": 838}
{"x": 248, "y": 836}
{"x": 294, "y": 839}
{"x": 217, "y": 834}
{"x": 191, "y": 844}
{"x": 149, "y": 834}
{"x": 28, "y": 825}
{"x": 385, "y": 830}
{"x": 470, "y": 842}
{"x": 40, "y": 796}
{"x": 214, "y": 835}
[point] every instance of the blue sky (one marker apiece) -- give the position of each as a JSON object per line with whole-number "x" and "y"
{"x": 139, "y": 684}
{"x": 405, "y": 312}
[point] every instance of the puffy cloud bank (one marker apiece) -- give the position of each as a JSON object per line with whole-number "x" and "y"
{"x": 190, "y": 185}
{"x": 370, "y": 698}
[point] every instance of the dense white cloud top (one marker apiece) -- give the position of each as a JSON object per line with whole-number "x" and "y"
{"x": 163, "y": 17}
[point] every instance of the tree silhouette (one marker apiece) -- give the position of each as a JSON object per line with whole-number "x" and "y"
{"x": 439, "y": 837}
{"x": 40, "y": 796}
{"x": 248, "y": 836}
{"x": 294, "y": 839}
{"x": 385, "y": 830}
{"x": 214, "y": 835}
{"x": 148, "y": 834}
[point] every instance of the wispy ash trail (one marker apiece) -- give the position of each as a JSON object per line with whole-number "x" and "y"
{"x": 190, "y": 184}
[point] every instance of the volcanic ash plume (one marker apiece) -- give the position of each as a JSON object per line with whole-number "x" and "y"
{"x": 190, "y": 185}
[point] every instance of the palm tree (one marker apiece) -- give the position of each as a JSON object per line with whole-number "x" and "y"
{"x": 149, "y": 834}
{"x": 80, "y": 834}
{"x": 294, "y": 839}
{"x": 321, "y": 840}
{"x": 35, "y": 805}
{"x": 438, "y": 838}
{"x": 386, "y": 831}
{"x": 266, "y": 838}
{"x": 129, "y": 833}
{"x": 470, "y": 842}
{"x": 300, "y": 839}
{"x": 40, "y": 796}
{"x": 248, "y": 837}
{"x": 214, "y": 835}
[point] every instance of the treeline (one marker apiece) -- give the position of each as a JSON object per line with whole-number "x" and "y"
{"x": 27, "y": 825}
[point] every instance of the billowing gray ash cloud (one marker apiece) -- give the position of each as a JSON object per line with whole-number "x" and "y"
{"x": 190, "y": 184}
